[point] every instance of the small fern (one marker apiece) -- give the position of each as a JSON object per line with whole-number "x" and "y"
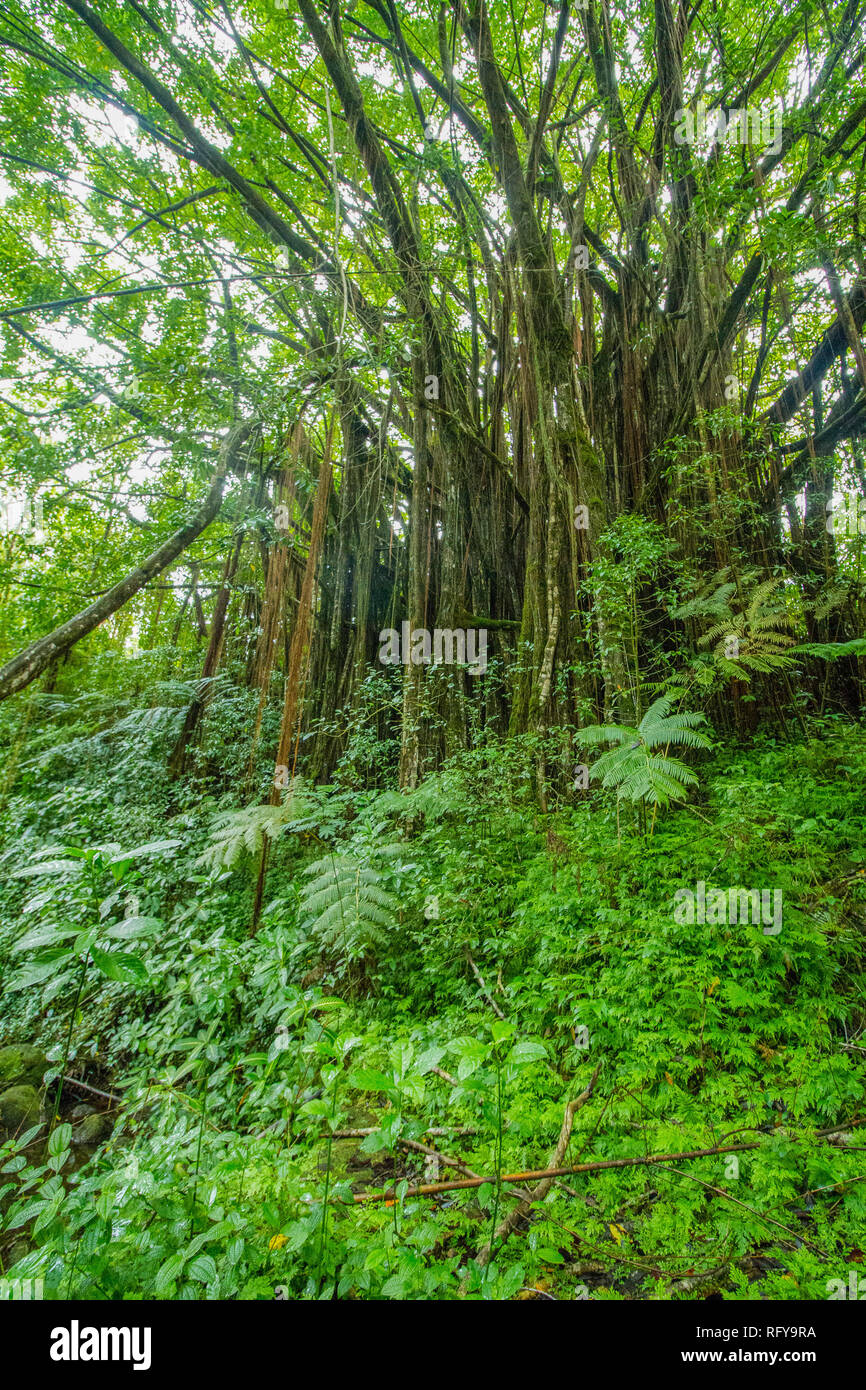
{"x": 633, "y": 769}
{"x": 347, "y": 909}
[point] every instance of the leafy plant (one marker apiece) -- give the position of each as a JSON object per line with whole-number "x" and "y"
{"x": 754, "y": 640}
{"x": 235, "y": 833}
{"x": 346, "y": 907}
{"x": 634, "y": 768}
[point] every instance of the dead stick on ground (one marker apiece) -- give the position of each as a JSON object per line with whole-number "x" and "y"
{"x": 444, "y": 1159}
{"x": 91, "y": 1090}
{"x": 430, "y": 1189}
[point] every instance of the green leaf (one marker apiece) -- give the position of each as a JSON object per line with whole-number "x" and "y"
{"x": 39, "y": 970}
{"x": 21, "y": 1216}
{"x": 367, "y": 1080}
{"x": 134, "y": 927}
{"x": 120, "y": 966}
{"x": 41, "y": 936}
{"x": 168, "y": 1273}
{"x": 271, "y": 1214}
{"x": 429, "y": 1059}
{"x": 153, "y": 847}
{"x": 550, "y": 1256}
{"x": 49, "y": 866}
{"x": 203, "y": 1269}
{"x": 523, "y": 1053}
{"x": 60, "y": 1140}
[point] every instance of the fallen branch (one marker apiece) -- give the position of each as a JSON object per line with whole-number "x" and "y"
{"x": 484, "y": 990}
{"x": 430, "y": 1189}
{"x": 444, "y": 1159}
{"x": 90, "y": 1090}
{"x": 446, "y": 1075}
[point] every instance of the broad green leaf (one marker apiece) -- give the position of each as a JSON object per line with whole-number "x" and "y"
{"x": 117, "y": 965}
{"x": 133, "y": 927}
{"x": 60, "y": 1140}
{"x": 50, "y": 866}
{"x": 202, "y": 1268}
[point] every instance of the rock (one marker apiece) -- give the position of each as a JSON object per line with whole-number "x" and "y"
{"x": 22, "y": 1065}
{"x": 19, "y": 1108}
{"x": 342, "y": 1150}
{"x": 78, "y": 1112}
{"x": 91, "y": 1130}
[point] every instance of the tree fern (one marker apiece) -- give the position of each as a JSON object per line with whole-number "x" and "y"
{"x": 754, "y": 640}
{"x": 632, "y": 768}
{"x": 438, "y": 796}
{"x": 710, "y": 602}
{"x": 345, "y": 905}
{"x": 234, "y": 833}
{"x": 832, "y": 651}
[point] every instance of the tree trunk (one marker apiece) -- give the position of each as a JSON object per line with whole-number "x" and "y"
{"x": 33, "y": 660}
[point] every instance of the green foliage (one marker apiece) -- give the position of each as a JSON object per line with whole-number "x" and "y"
{"x": 634, "y": 768}
{"x": 347, "y": 909}
{"x": 758, "y": 633}
{"x": 443, "y": 968}
{"x": 225, "y": 1176}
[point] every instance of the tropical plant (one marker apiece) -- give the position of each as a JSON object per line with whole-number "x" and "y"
{"x": 348, "y": 910}
{"x": 238, "y": 832}
{"x": 754, "y": 639}
{"x": 634, "y": 768}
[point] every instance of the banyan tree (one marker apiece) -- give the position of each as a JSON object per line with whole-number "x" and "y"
{"x": 544, "y": 320}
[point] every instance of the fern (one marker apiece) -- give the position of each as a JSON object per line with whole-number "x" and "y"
{"x": 832, "y": 651}
{"x": 234, "y": 833}
{"x": 438, "y": 796}
{"x": 761, "y": 631}
{"x": 633, "y": 769}
{"x": 707, "y": 605}
{"x": 346, "y": 907}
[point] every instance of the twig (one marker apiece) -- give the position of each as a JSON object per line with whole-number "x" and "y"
{"x": 507, "y": 1225}
{"x": 446, "y": 1075}
{"x": 444, "y": 1159}
{"x": 484, "y": 990}
{"x": 91, "y": 1090}
{"x": 767, "y": 1220}
{"x": 694, "y": 1281}
{"x": 437, "y": 1132}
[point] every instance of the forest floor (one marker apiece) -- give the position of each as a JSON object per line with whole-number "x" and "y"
{"x": 447, "y": 993}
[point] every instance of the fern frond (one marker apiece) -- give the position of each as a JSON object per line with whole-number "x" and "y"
{"x": 234, "y": 833}
{"x": 677, "y": 729}
{"x": 594, "y": 734}
{"x": 832, "y": 651}
{"x": 345, "y": 906}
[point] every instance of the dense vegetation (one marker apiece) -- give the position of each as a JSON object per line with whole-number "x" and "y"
{"x": 326, "y": 329}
